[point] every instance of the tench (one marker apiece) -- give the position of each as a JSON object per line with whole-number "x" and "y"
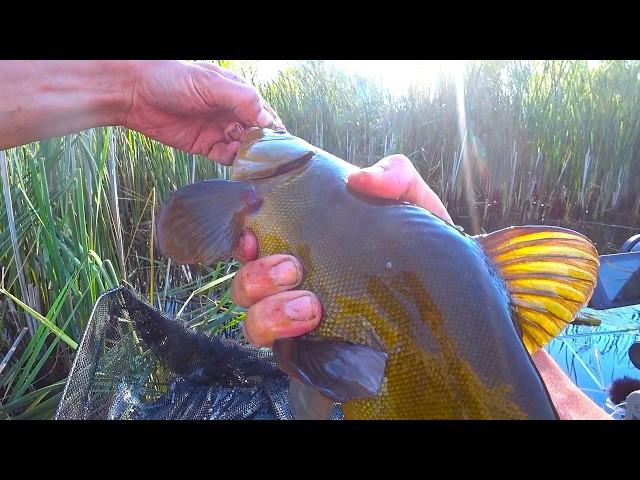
{"x": 421, "y": 321}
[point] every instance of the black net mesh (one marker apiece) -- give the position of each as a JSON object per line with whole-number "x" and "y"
{"x": 136, "y": 363}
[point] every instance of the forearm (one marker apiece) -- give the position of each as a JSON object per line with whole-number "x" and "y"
{"x": 570, "y": 402}
{"x": 43, "y": 99}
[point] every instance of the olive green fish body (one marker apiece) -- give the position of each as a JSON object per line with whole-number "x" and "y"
{"x": 419, "y": 319}
{"x": 397, "y": 277}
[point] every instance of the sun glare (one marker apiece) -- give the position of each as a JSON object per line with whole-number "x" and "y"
{"x": 396, "y": 75}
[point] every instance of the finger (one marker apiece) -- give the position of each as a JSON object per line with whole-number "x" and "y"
{"x": 395, "y": 177}
{"x": 244, "y": 100}
{"x": 283, "y": 315}
{"x": 263, "y": 277}
{"x": 276, "y": 123}
{"x": 247, "y": 248}
{"x": 219, "y": 91}
{"x": 234, "y": 132}
{"x": 223, "y": 152}
{"x": 222, "y": 71}
{"x": 253, "y": 112}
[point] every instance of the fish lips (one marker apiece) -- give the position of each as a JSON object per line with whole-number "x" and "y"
{"x": 268, "y": 153}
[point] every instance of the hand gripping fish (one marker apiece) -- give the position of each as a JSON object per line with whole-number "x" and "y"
{"x": 421, "y": 321}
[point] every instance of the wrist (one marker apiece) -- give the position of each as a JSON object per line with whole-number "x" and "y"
{"x": 114, "y": 93}
{"x": 570, "y": 402}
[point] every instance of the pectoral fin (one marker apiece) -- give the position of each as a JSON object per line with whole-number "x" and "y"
{"x": 202, "y": 223}
{"x": 550, "y": 273}
{"x": 339, "y": 370}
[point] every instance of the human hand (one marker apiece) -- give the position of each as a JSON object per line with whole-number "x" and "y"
{"x": 198, "y": 107}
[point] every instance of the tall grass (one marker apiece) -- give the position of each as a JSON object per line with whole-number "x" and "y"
{"x": 77, "y": 241}
{"x": 555, "y": 132}
{"x": 542, "y": 140}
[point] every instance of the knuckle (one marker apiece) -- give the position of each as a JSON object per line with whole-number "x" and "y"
{"x": 258, "y": 325}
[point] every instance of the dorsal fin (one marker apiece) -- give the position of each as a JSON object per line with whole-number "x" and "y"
{"x": 550, "y": 273}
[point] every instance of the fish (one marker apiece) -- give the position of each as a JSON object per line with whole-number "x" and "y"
{"x": 420, "y": 320}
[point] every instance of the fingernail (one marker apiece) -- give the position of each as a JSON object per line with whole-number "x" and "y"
{"x": 373, "y": 170}
{"x": 300, "y": 309}
{"x": 264, "y": 119}
{"x": 285, "y": 273}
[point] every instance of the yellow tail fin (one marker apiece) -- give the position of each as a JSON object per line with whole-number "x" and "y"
{"x": 550, "y": 273}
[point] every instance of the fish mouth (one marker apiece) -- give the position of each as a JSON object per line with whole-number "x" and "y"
{"x": 256, "y": 134}
{"x": 259, "y": 157}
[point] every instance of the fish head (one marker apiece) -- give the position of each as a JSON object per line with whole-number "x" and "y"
{"x": 269, "y": 153}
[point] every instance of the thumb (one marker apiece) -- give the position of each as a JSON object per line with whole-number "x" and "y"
{"x": 242, "y": 99}
{"x": 395, "y": 177}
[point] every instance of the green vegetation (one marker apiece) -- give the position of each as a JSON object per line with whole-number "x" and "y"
{"x": 553, "y": 133}
{"x": 557, "y": 129}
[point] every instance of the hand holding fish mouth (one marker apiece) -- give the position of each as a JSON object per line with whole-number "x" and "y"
{"x": 264, "y": 286}
{"x": 197, "y": 107}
